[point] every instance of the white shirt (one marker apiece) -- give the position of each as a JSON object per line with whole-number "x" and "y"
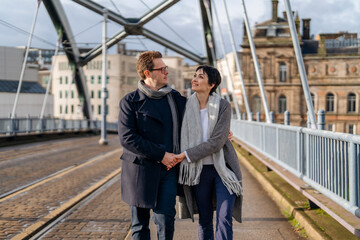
{"x": 208, "y": 160}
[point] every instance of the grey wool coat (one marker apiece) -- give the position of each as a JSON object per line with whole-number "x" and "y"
{"x": 217, "y": 140}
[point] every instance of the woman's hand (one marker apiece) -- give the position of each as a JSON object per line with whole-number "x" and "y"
{"x": 178, "y": 158}
{"x": 230, "y": 135}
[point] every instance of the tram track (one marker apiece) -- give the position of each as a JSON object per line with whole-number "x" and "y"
{"x": 55, "y": 175}
{"x": 48, "y": 222}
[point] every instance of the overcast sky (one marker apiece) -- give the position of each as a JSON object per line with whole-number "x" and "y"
{"x": 328, "y": 16}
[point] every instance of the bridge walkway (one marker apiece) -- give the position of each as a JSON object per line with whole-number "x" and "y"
{"x": 70, "y": 189}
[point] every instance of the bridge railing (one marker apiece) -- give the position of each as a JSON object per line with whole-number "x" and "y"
{"x": 10, "y": 126}
{"x": 327, "y": 161}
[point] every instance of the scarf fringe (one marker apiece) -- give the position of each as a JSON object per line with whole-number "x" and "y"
{"x": 233, "y": 185}
{"x": 189, "y": 175}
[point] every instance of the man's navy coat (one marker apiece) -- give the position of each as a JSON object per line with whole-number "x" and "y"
{"x": 140, "y": 129}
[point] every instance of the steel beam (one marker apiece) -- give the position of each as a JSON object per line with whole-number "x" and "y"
{"x": 205, "y": 8}
{"x": 134, "y": 26}
{"x": 62, "y": 26}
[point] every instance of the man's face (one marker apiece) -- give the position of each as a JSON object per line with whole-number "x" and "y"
{"x": 159, "y": 77}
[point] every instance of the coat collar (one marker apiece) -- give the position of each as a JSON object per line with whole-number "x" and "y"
{"x": 147, "y": 107}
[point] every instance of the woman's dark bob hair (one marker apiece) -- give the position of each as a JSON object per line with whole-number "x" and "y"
{"x": 213, "y": 76}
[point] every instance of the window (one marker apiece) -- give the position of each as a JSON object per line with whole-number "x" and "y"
{"x": 99, "y": 79}
{"x": 66, "y": 80}
{"x": 256, "y": 104}
{"x": 99, "y": 109}
{"x": 106, "y": 109}
{"x": 282, "y": 104}
{"x": 60, "y": 109}
{"x": 72, "y": 108}
{"x": 92, "y": 93}
{"x": 72, "y": 93}
{"x": 92, "y": 79}
{"x": 331, "y": 127}
{"x": 329, "y": 102}
{"x": 351, "y": 102}
{"x": 99, "y": 94}
{"x": 66, "y": 109}
{"x": 282, "y": 72}
{"x": 109, "y": 64}
{"x": 312, "y": 99}
{"x": 66, "y": 94}
{"x": 107, "y": 79}
{"x": 60, "y": 95}
{"x": 351, "y": 128}
{"x": 60, "y": 80}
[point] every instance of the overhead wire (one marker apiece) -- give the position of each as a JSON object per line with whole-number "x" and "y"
{"x": 15, "y": 28}
{"x": 137, "y": 37}
{"x": 178, "y": 35}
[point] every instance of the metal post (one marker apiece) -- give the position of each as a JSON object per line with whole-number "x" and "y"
{"x": 308, "y": 121}
{"x": 227, "y": 65}
{"x": 251, "y": 117}
{"x": 25, "y": 60}
{"x": 300, "y": 63}
{"x": 352, "y": 175}
{"x": 28, "y": 123}
{"x": 256, "y": 63}
{"x": 49, "y": 82}
{"x": 237, "y": 63}
{"x": 321, "y": 120}
{"x": 272, "y": 117}
{"x": 209, "y": 37}
{"x": 258, "y": 117}
{"x": 103, "y": 140}
{"x": 287, "y": 118}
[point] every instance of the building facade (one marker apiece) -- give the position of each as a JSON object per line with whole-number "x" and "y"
{"x": 31, "y": 95}
{"x": 332, "y": 64}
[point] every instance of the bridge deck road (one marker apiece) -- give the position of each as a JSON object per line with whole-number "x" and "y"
{"x": 104, "y": 215}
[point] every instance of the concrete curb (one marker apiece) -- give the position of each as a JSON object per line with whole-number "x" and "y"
{"x": 311, "y": 229}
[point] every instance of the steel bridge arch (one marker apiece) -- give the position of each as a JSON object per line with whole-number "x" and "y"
{"x": 132, "y": 26}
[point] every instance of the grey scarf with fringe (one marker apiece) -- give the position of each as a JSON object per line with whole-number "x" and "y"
{"x": 191, "y": 136}
{"x": 162, "y": 92}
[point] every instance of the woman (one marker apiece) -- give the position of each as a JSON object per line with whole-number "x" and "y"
{"x": 210, "y": 169}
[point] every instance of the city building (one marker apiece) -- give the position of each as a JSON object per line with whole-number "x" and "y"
{"x": 332, "y": 64}
{"x": 31, "y": 95}
{"x": 122, "y": 78}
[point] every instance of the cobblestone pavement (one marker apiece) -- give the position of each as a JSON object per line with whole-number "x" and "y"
{"x": 27, "y": 163}
{"x": 104, "y": 217}
{"x": 25, "y": 209}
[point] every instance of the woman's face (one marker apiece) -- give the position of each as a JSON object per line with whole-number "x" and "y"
{"x": 200, "y": 82}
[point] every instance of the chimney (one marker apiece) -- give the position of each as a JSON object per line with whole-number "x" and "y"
{"x": 306, "y": 28}
{"x": 285, "y": 16}
{"x": 274, "y": 10}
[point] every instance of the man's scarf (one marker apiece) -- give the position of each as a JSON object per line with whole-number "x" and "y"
{"x": 174, "y": 114}
{"x": 191, "y": 136}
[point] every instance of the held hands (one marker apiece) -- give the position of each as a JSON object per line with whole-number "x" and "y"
{"x": 170, "y": 160}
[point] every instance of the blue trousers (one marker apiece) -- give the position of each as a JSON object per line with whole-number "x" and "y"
{"x": 164, "y": 211}
{"x": 210, "y": 181}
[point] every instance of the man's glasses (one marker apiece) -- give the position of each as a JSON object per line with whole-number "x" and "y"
{"x": 163, "y": 69}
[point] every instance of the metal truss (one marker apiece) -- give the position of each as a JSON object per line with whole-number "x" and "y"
{"x": 132, "y": 26}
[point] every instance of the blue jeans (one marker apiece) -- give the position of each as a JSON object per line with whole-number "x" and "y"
{"x": 164, "y": 211}
{"x": 210, "y": 180}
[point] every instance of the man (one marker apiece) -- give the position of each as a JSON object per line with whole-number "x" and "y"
{"x": 149, "y": 123}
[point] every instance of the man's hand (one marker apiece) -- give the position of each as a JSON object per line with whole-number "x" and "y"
{"x": 230, "y": 135}
{"x": 168, "y": 160}
{"x": 177, "y": 159}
